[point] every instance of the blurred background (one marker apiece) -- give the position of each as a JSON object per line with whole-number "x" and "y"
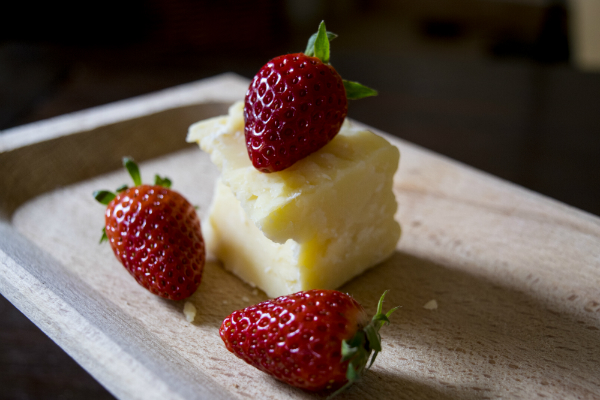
{"x": 511, "y": 87}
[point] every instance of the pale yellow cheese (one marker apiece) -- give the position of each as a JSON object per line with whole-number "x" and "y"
{"x": 316, "y": 224}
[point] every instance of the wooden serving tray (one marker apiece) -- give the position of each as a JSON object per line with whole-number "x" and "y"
{"x": 516, "y": 276}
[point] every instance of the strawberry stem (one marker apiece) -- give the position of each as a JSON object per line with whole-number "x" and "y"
{"x": 365, "y": 344}
{"x": 133, "y": 170}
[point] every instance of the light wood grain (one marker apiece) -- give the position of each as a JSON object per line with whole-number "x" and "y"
{"x": 515, "y": 275}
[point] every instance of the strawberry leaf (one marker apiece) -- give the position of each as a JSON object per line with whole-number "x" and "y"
{"x": 348, "y": 351}
{"x": 104, "y": 196}
{"x": 322, "y": 44}
{"x": 373, "y": 359}
{"x": 164, "y": 182}
{"x": 355, "y": 90}
{"x": 351, "y": 374}
{"x": 310, "y": 47}
{"x": 373, "y": 337}
{"x": 133, "y": 169}
{"x": 122, "y": 188}
{"x": 380, "y": 303}
{"x": 104, "y": 238}
{"x": 381, "y": 318}
{"x": 390, "y": 313}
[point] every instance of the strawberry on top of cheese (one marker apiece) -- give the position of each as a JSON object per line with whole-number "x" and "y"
{"x": 296, "y": 104}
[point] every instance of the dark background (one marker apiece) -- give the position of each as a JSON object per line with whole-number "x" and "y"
{"x": 491, "y": 83}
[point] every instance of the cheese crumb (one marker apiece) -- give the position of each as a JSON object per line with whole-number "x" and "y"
{"x": 189, "y": 310}
{"x": 431, "y": 305}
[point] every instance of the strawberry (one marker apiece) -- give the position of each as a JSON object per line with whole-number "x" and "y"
{"x": 314, "y": 340}
{"x": 155, "y": 233}
{"x": 295, "y": 105}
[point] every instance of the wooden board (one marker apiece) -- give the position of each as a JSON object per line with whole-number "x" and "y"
{"x": 516, "y": 276}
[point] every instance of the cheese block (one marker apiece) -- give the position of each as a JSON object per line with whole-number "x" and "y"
{"x": 316, "y": 224}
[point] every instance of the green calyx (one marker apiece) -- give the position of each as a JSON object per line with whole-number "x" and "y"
{"x": 103, "y": 238}
{"x": 133, "y": 169}
{"x": 355, "y": 90}
{"x": 362, "y": 349}
{"x": 318, "y": 46}
{"x": 164, "y": 182}
{"x": 105, "y": 197}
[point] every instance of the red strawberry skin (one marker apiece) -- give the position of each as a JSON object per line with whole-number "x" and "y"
{"x": 297, "y": 338}
{"x": 155, "y": 233}
{"x": 294, "y": 106}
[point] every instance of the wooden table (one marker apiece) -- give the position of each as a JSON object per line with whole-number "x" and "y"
{"x": 515, "y": 275}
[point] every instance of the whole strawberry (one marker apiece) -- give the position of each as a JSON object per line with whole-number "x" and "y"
{"x": 295, "y": 105}
{"x": 155, "y": 233}
{"x": 314, "y": 340}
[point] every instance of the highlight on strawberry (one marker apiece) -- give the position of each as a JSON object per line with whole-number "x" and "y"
{"x": 296, "y": 104}
{"x": 315, "y": 340}
{"x": 155, "y": 233}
